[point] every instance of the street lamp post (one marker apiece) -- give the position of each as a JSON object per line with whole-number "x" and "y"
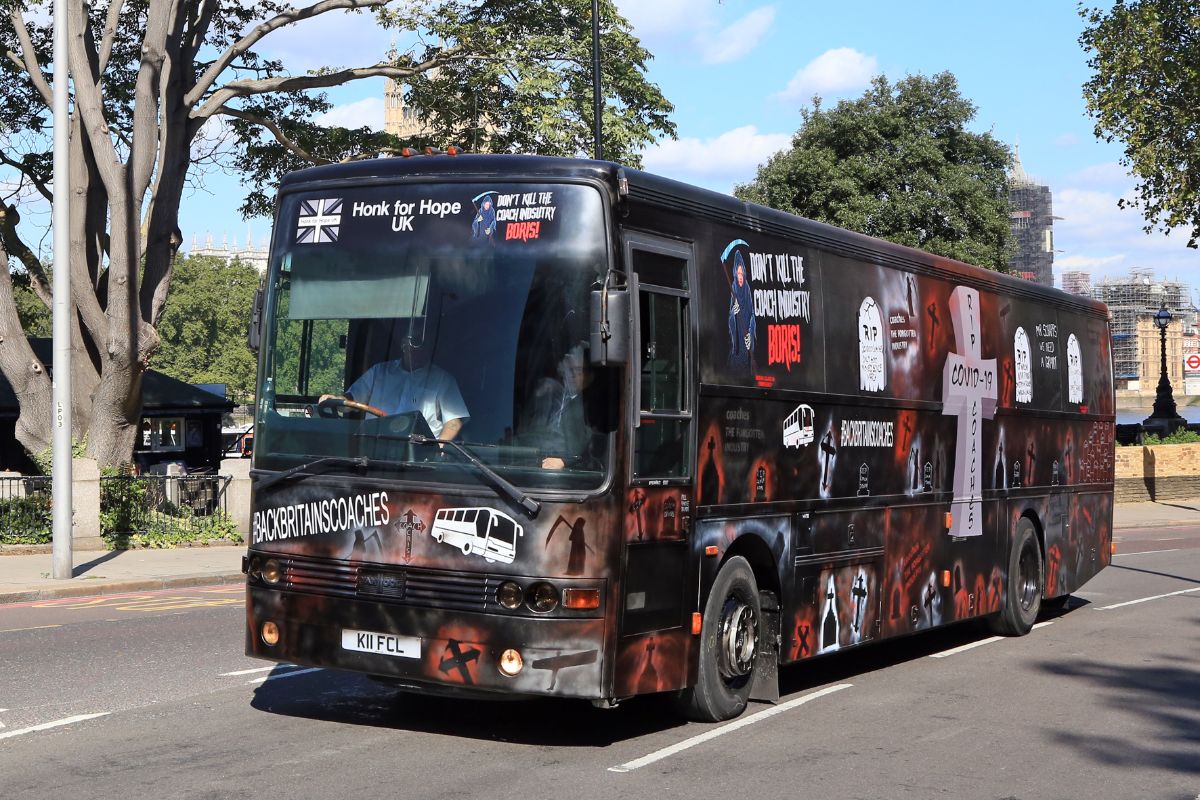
{"x": 1164, "y": 419}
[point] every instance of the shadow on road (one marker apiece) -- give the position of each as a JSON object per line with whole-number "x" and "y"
{"x": 1163, "y": 695}
{"x": 1159, "y": 574}
{"x": 353, "y": 699}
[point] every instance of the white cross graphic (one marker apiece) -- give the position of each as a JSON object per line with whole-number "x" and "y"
{"x": 319, "y": 220}
{"x": 968, "y": 392}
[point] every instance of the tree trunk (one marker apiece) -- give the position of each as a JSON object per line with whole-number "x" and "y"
{"x": 24, "y": 372}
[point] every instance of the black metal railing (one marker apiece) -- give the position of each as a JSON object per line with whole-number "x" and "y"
{"x": 164, "y": 509}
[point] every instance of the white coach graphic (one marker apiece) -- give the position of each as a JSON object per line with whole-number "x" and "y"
{"x": 483, "y": 532}
{"x": 798, "y": 427}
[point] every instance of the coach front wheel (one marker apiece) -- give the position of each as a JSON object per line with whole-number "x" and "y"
{"x": 1023, "y": 589}
{"x": 729, "y": 646}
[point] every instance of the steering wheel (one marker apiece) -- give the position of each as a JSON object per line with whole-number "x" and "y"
{"x": 328, "y": 407}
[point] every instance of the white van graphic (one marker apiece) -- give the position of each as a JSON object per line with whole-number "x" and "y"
{"x": 798, "y": 427}
{"x": 484, "y": 532}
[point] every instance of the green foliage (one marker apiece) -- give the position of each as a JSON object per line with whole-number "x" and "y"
{"x": 1181, "y": 436}
{"x": 32, "y": 312}
{"x": 1145, "y": 92}
{"x": 203, "y": 326}
{"x": 44, "y": 460}
{"x": 898, "y": 163}
{"x": 26, "y": 520}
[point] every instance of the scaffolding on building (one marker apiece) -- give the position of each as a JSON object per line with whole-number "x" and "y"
{"x": 1137, "y": 295}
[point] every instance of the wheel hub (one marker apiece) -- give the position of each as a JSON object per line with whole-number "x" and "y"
{"x": 738, "y": 638}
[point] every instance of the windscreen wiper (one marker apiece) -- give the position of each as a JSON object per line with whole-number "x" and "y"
{"x": 329, "y": 462}
{"x": 531, "y": 506}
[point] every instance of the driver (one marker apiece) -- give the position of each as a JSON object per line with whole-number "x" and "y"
{"x": 411, "y": 383}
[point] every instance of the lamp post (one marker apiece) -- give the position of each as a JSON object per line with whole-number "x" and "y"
{"x": 1164, "y": 419}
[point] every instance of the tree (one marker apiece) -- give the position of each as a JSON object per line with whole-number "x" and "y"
{"x": 147, "y": 76}
{"x": 897, "y": 163}
{"x": 1145, "y": 92}
{"x": 525, "y": 88}
{"x": 205, "y": 341}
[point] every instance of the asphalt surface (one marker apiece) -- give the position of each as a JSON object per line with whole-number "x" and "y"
{"x": 1101, "y": 702}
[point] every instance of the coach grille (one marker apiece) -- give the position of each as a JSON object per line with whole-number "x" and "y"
{"x": 404, "y": 585}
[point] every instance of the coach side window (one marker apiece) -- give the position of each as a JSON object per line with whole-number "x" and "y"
{"x": 661, "y": 447}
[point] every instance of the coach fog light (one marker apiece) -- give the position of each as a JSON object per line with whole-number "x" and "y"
{"x": 511, "y": 663}
{"x": 270, "y": 633}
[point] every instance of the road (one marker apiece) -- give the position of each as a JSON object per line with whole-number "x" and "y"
{"x": 149, "y": 695}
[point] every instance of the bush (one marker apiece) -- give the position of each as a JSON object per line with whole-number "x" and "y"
{"x": 133, "y": 513}
{"x": 26, "y": 520}
{"x": 1181, "y": 436}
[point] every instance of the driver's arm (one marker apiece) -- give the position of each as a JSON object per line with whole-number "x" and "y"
{"x": 451, "y": 429}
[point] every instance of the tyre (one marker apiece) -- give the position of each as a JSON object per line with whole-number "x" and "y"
{"x": 729, "y": 646}
{"x": 1023, "y": 588}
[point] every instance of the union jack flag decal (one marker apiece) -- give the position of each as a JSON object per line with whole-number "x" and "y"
{"x": 319, "y": 220}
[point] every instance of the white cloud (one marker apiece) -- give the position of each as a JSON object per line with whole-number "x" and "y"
{"x": 738, "y": 39}
{"x": 718, "y": 163}
{"x": 1097, "y": 236}
{"x": 336, "y": 38}
{"x": 834, "y": 72}
{"x": 367, "y": 113}
{"x": 697, "y": 26}
{"x": 1088, "y": 262}
{"x": 1067, "y": 140}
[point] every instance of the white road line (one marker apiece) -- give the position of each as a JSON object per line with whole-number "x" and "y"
{"x": 57, "y": 723}
{"x": 972, "y": 645}
{"x": 666, "y": 752}
{"x": 284, "y": 675}
{"x": 1148, "y": 599}
{"x": 256, "y": 669}
{"x": 1146, "y": 552}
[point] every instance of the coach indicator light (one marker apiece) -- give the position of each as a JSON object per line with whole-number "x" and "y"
{"x": 581, "y": 599}
{"x": 511, "y": 663}
{"x": 270, "y": 633}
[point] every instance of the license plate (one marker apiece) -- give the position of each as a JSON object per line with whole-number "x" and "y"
{"x": 386, "y": 644}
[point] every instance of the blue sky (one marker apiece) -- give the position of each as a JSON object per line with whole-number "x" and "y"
{"x": 739, "y": 71}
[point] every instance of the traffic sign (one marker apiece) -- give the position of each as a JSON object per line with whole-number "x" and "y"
{"x": 1191, "y": 362}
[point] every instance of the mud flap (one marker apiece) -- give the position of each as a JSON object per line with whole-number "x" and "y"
{"x": 766, "y": 671}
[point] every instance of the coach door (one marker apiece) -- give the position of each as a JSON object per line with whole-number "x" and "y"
{"x": 662, "y": 454}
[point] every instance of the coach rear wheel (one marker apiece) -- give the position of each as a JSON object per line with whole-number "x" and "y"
{"x": 729, "y": 646}
{"x": 1023, "y": 589}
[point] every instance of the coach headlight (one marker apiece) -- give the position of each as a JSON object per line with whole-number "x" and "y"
{"x": 271, "y": 571}
{"x": 542, "y": 597}
{"x": 510, "y": 595}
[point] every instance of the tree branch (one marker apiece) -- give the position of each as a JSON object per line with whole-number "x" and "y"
{"x": 278, "y": 133}
{"x": 210, "y": 75}
{"x": 43, "y": 190}
{"x": 245, "y": 88}
{"x": 110, "y": 32}
{"x": 28, "y": 58}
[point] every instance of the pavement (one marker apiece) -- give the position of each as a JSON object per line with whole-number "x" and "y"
{"x": 25, "y": 576}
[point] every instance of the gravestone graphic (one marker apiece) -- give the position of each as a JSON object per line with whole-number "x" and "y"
{"x": 1024, "y": 376}
{"x": 968, "y": 392}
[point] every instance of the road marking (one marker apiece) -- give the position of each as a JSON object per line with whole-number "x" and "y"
{"x": 1148, "y": 599}
{"x": 32, "y": 628}
{"x": 1146, "y": 552}
{"x": 56, "y": 724}
{"x": 972, "y": 645}
{"x": 283, "y": 675}
{"x": 679, "y": 747}
{"x": 256, "y": 669}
